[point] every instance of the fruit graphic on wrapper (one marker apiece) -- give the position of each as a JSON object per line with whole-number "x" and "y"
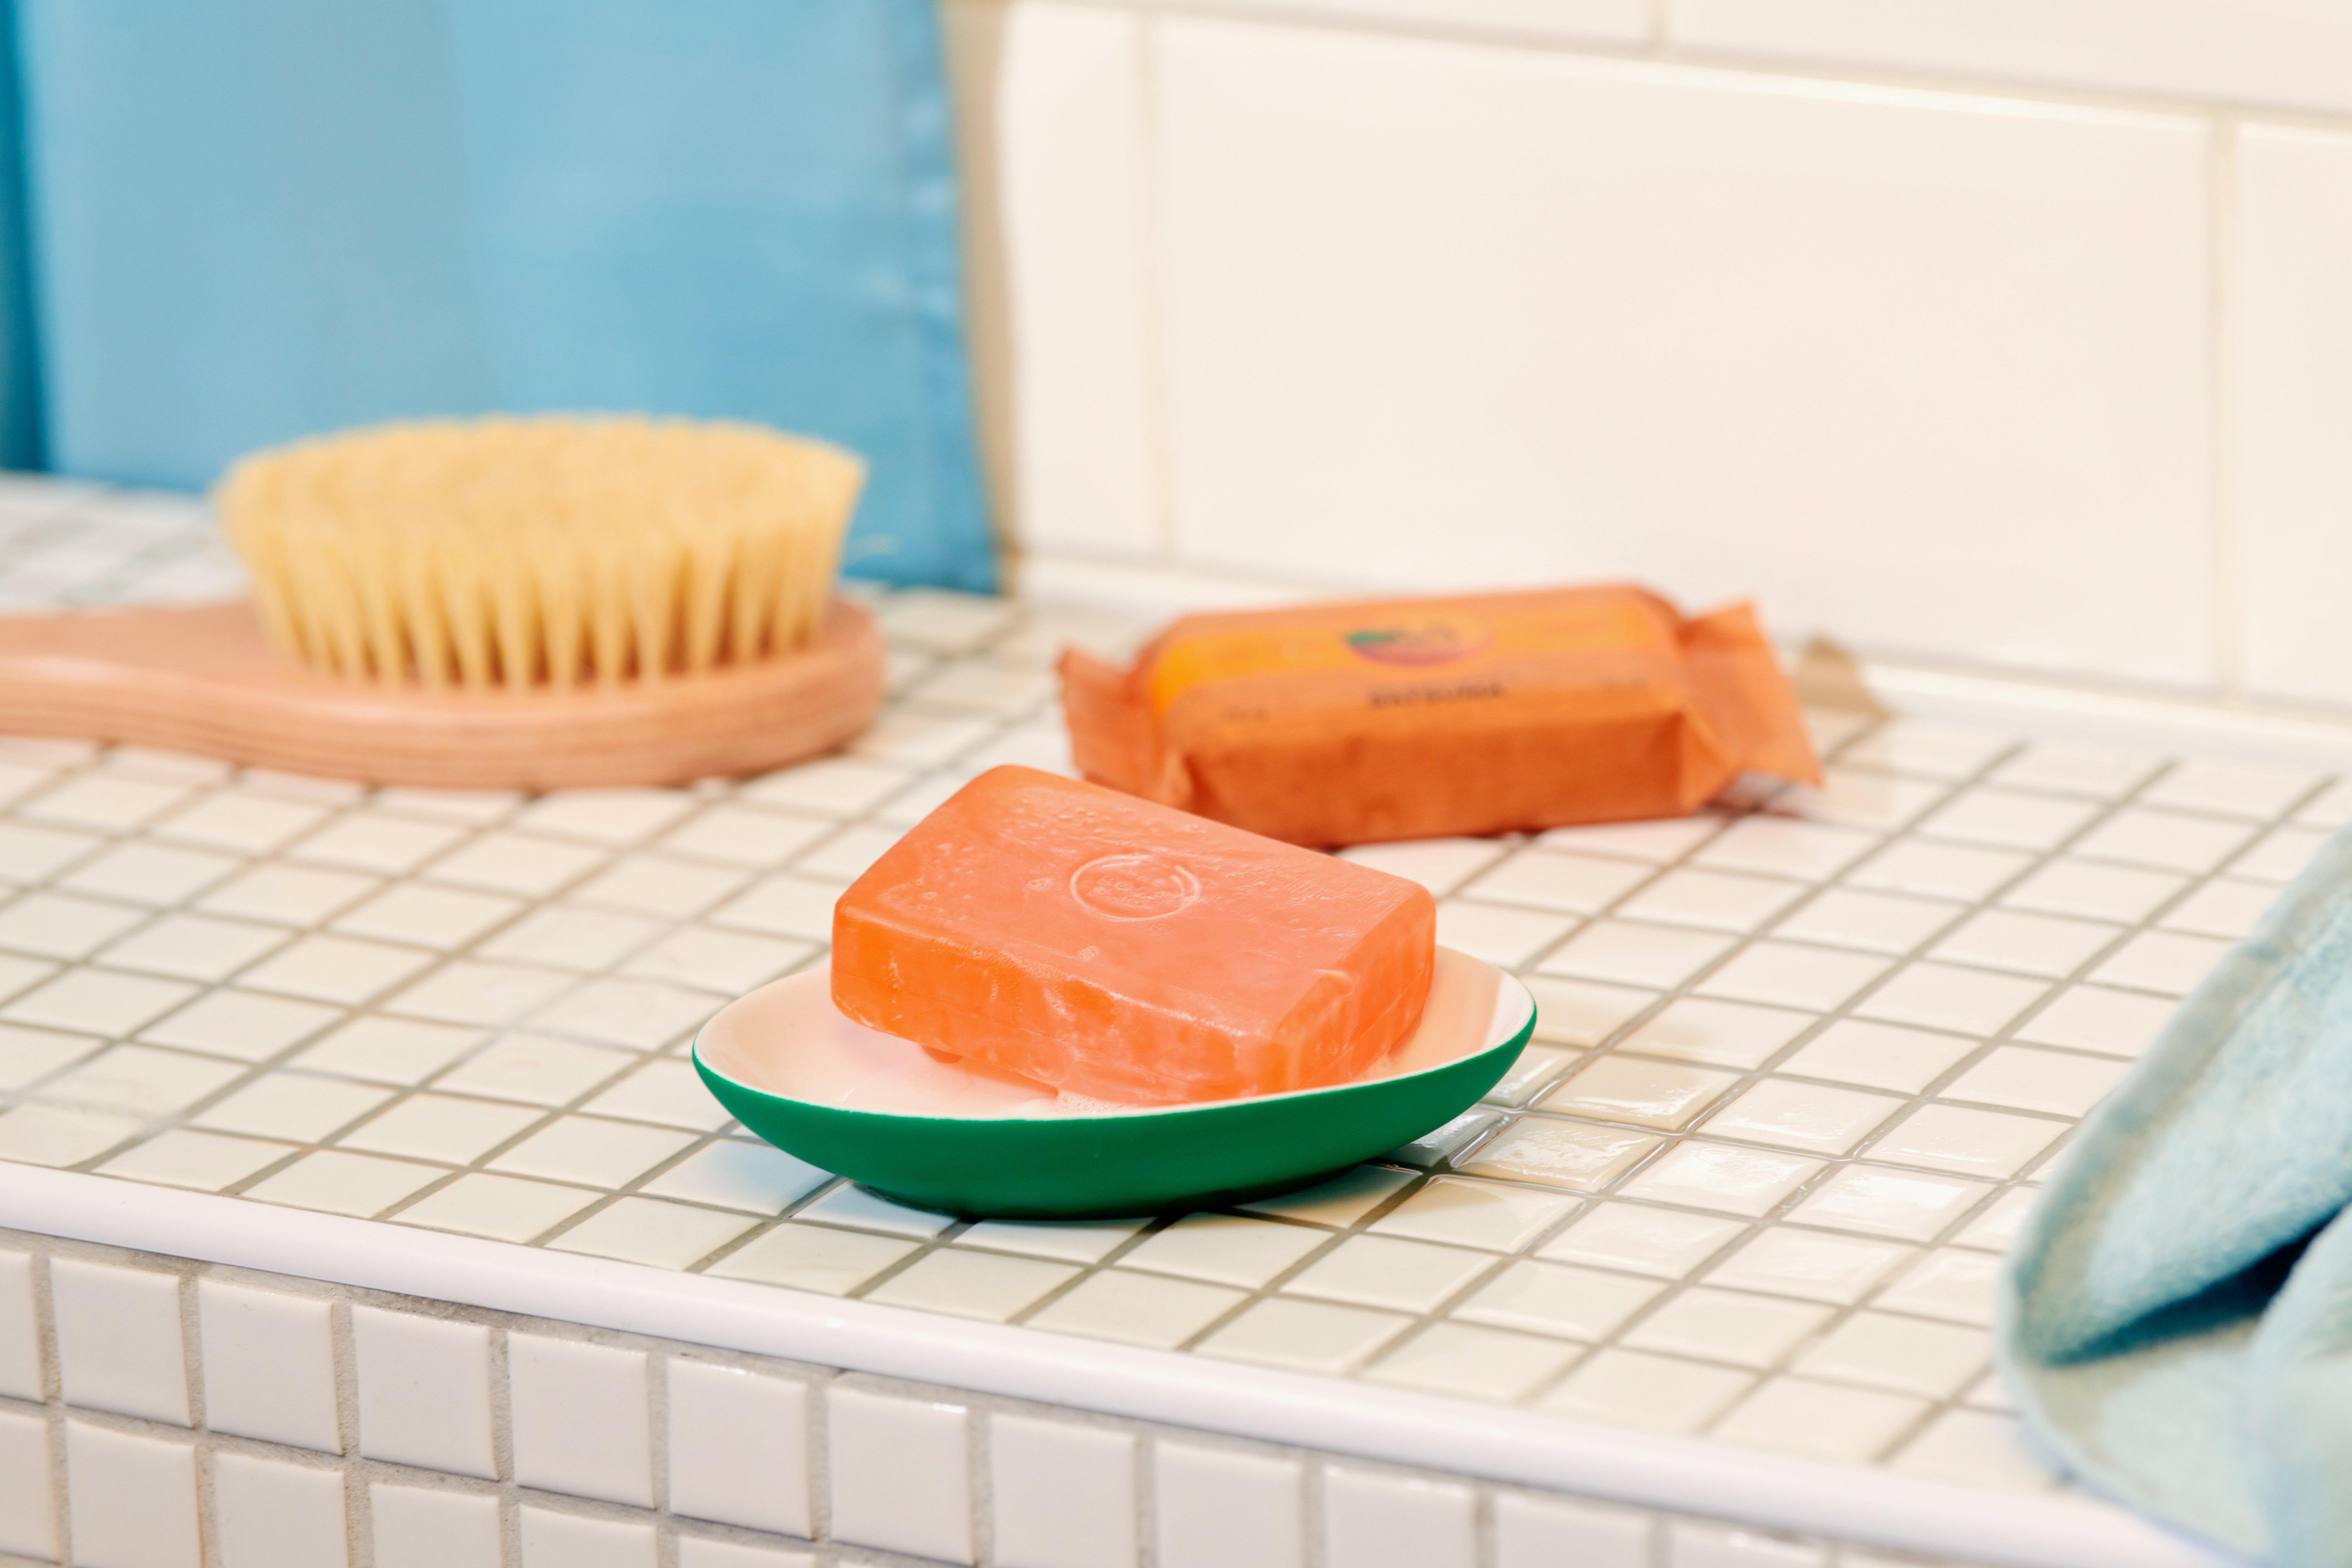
{"x": 1420, "y": 644}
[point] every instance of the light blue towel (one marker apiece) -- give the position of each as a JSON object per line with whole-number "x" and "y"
{"x": 253, "y": 219}
{"x": 2177, "y": 1317}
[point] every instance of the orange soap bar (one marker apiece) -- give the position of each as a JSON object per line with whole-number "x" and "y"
{"x": 1347, "y": 723}
{"x": 1121, "y": 951}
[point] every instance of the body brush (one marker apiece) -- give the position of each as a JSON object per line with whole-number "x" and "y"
{"x": 517, "y": 604}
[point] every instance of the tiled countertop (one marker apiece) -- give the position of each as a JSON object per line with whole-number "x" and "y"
{"x": 1796, "y": 1072}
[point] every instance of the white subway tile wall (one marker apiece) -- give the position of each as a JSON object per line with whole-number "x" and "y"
{"x": 1913, "y": 319}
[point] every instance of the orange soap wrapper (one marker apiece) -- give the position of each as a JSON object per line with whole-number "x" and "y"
{"x": 1117, "y": 950}
{"x": 1359, "y": 721}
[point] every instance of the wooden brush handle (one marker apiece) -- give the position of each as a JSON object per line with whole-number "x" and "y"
{"x": 203, "y": 680}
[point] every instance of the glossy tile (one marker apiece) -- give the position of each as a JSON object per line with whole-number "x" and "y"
{"x": 2165, "y": 962}
{"x": 1582, "y": 1013}
{"x": 1500, "y": 1216}
{"x": 1917, "y": 866}
{"x": 268, "y": 1365}
{"x": 2048, "y": 945}
{"x": 1062, "y": 1495}
{"x": 900, "y": 1475}
{"x": 1882, "y": 1202}
{"x": 2058, "y": 1083}
{"x": 1581, "y": 1156}
{"x": 1572, "y": 884}
{"x": 1219, "y": 1509}
{"x": 1793, "y": 975}
{"x": 1727, "y": 1325}
{"x": 1343, "y": 1200}
{"x": 648, "y": 1231}
{"x": 1946, "y": 997}
{"x": 554, "y": 1540}
{"x": 812, "y": 1257}
{"x": 1563, "y": 1300}
{"x": 1537, "y": 1067}
{"x": 28, "y": 1523}
{"x": 1720, "y": 1033}
{"x": 2093, "y": 888}
{"x": 737, "y": 1446}
{"x": 239, "y": 1023}
{"x": 1776, "y": 845}
{"x": 1808, "y": 1264}
{"x": 990, "y": 1286}
{"x": 1821, "y": 1421}
{"x": 1976, "y": 1449}
{"x": 1637, "y": 1238}
{"x": 1873, "y": 923}
{"x": 1304, "y": 1335}
{"x": 1542, "y": 1532}
{"x": 1628, "y": 953}
{"x": 2164, "y": 840}
{"x": 337, "y": 1182}
{"x": 1374, "y": 1519}
{"x": 1501, "y": 935}
{"x": 131, "y": 1500}
{"x": 1953, "y": 1285}
{"x": 444, "y": 1127}
{"x": 1718, "y": 900}
{"x": 1907, "y": 1355}
{"x": 581, "y": 1419}
{"x": 1667, "y": 839}
{"x": 1807, "y": 1117}
{"x": 591, "y": 1151}
{"x": 2225, "y": 907}
{"x": 2092, "y": 1018}
{"x": 118, "y": 1337}
{"x": 1723, "y": 1177}
{"x": 1878, "y": 1055}
{"x": 1072, "y": 1241}
{"x": 1665, "y": 1095}
{"x": 1389, "y": 1271}
{"x": 1967, "y": 1141}
{"x": 1473, "y": 1362}
{"x": 423, "y": 1391}
{"x": 731, "y": 1174}
{"x": 1137, "y": 1309}
{"x": 1655, "y": 1393}
{"x": 269, "y": 1513}
{"x": 2008, "y": 818}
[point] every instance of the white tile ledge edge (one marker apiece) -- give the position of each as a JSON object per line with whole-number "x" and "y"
{"x": 1326, "y": 1413}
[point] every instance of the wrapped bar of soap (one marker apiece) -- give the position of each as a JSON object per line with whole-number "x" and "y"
{"x": 1114, "y": 949}
{"x": 1354, "y": 722}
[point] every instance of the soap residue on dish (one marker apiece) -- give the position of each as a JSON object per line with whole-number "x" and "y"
{"x": 788, "y": 1039}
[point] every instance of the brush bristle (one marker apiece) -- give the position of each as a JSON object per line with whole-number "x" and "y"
{"x": 562, "y": 550}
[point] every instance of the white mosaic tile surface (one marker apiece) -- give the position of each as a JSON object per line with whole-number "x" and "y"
{"x": 1797, "y": 1073}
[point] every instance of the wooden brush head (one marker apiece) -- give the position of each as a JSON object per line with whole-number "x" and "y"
{"x": 552, "y": 551}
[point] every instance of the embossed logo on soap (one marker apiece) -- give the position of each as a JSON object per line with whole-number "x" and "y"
{"x": 1134, "y": 887}
{"x": 1420, "y": 644}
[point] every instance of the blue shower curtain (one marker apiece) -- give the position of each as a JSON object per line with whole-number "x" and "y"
{"x": 231, "y": 221}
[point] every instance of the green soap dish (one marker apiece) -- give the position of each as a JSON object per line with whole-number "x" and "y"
{"x": 944, "y": 1135}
